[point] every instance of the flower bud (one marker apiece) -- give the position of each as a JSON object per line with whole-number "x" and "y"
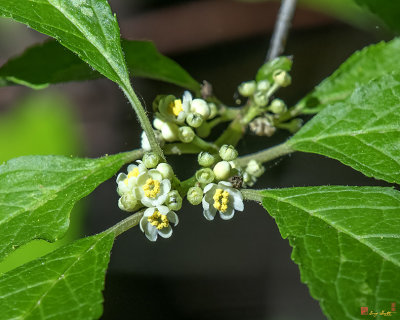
{"x": 158, "y": 123}
{"x": 277, "y": 106}
{"x": 254, "y": 168}
{"x": 150, "y": 160}
{"x": 206, "y": 159}
{"x": 170, "y": 132}
{"x": 246, "y": 89}
{"x": 186, "y": 134}
{"x": 201, "y": 107}
{"x": 260, "y": 98}
{"x": 195, "y": 195}
{"x": 205, "y": 175}
{"x": 174, "y": 201}
{"x": 263, "y": 85}
{"x": 295, "y": 125}
{"x": 213, "y": 110}
{"x": 194, "y": 120}
{"x": 166, "y": 170}
{"x": 282, "y": 78}
{"x": 127, "y": 202}
{"x": 222, "y": 170}
{"x": 228, "y": 152}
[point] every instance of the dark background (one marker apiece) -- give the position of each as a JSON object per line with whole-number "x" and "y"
{"x": 237, "y": 269}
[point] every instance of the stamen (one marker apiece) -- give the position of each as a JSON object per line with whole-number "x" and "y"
{"x": 151, "y": 188}
{"x": 133, "y": 173}
{"x": 160, "y": 221}
{"x": 175, "y": 107}
{"x": 221, "y": 200}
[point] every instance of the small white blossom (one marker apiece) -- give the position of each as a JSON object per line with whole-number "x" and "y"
{"x": 156, "y": 221}
{"x": 223, "y": 198}
{"x": 127, "y": 182}
{"x": 152, "y": 189}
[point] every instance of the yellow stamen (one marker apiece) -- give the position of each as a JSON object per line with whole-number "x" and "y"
{"x": 160, "y": 221}
{"x": 175, "y": 107}
{"x": 221, "y": 200}
{"x": 133, "y": 173}
{"x": 151, "y": 188}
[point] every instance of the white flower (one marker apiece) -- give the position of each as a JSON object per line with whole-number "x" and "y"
{"x": 126, "y": 183}
{"x": 152, "y": 189}
{"x": 223, "y": 198}
{"x": 156, "y": 221}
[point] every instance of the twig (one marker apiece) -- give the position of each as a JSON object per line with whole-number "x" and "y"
{"x": 281, "y": 29}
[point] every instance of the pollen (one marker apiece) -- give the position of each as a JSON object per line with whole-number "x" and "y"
{"x": 160, "y": 221}
{"x": 151, "y": 188}
{"x": 175, "y": 107}
{"x": 221, "y": 200}
{"x": 133, "y": 173}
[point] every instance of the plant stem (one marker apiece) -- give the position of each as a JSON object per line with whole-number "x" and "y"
{"x": 251, "y": 194}
{"x": 133, "y": 155}
{"x": 266, "y": 155}
{"x": 143, "y": 119}
{"x": 126, "y": 224}
{"x": 281, "y": 29}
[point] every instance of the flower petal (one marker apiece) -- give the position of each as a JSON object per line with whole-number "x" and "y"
{"x": 205, "y": 203}
{"x": 155, "y": 174}
{"x": 210, "y": 214}
{"x": 165, "y": 232}
{"x": 165, "y": 186}
{"x": 147, "y": 202}
{"x": 148, "y": 212}
{"x": 208, "y": 187}
{"x": 173, "y": 218}
{"x": 225, "y": 183}
{"x": 151, "y": 232}
{"x": 228, "y": 214}
{"x": 143, "y": 223}
{"x": 237, "y": 200}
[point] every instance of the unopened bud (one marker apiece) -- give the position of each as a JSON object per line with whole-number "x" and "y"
{"x": 263, "y": 85}
{"x": 158, "y": 123}
{"x": 150, "y": 160}
{"x": 170, "y": 132}
{"x": 174, "y": 201}
{"x": 260, "y": 98}
{"x": 206, "y": 159}
{"x": 201, "y": 107}
{"x": 195, "y": 195}
{"x": 166, "y": 170}
{"x": 222, "y": 170}
{"x": 228, "y": 152}
{"x": 213, "y": 110}
{"x": 246, "y": 89}
{"x": 254, "y": 168}
{"x": 194, "y": 120}
{"x": 282, "y": 78}
{"x": 186, "y": 134}
{"x": 127, "y": 202}
{"x": 205, "y": 175}
{"x": 277, "y": 106}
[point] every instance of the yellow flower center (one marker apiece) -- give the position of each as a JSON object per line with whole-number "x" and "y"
{"x": 221, "y": 200}
{"x": 175, "y": 107}
{"x": 151, "y": 188}
{"x": 133, "y": 173}
{"x": 160, "y": 221}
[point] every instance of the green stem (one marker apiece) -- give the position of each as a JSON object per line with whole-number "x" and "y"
{"x": 232, "y": 134}
{"x": 133, "y": 155}
{"x": 126, "y": 224}
{"x": 181, "y": 148}
{"x": 204, "y": 145}
{"x": 251, "y": 194}
{"x": 186, "y": 184}
{"x": 266, "y": 155}
{"x": 143, "y": 119}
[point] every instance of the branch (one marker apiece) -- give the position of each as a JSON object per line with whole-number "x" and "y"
{"x": 266, "y": 155}
{"x": 281, "y": 29}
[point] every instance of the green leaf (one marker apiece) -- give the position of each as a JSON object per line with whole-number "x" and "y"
{"x": 388, "y": 11}
{"x": 50, "y": 63}
{"x": 363, "y": 131}
{"x": 266, "y": 71}
{"x": 87, "y": 28}
{"x": 37, "y": 194}
{"x": 363, "y": 66}
{"x": 65, "y": 284}
{"x": 346, "y": 242}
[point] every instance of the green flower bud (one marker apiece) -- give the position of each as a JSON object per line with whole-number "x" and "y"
{"x": 186, "y": 134}
{"x": 150, "y": 160}
{"x": 201, "y": 107}
{"x": 205, "y": 175}
{"x": 247, "y": 89}
{"x": 194, "y": 120}
{"x": 254, "y": 168}
{"x": 170, "y": 132}
{"x": 195, "y": 195}
{"x": 166, "y": 170}
{"x": 206, "y": 159}
{"x": 213, "y": 110}
{"x": 204, "y": 130}
{"x": 263, "y": 85}
{"x": 128, "y": 202}
{"x": 278, "y": 106}
{"x": 295, "y": 125}
{"x": 228, "y": 152}
{"x": 174, "y": 201}
{"x": 260, "y": 98}
{"x": 282, "y": 78}
{"x": 222, "y": 170}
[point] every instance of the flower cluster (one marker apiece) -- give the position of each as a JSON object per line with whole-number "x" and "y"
{"x": 180, "y": 119}
{"x": 148, "y": 184}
